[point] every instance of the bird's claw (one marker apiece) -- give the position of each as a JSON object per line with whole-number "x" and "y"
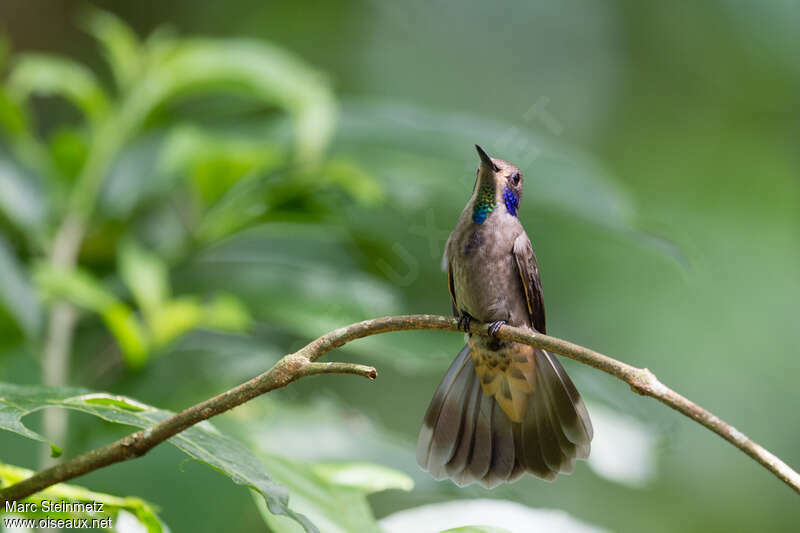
{"x": 464, "y": 320}
{"x": 495, "y": 326}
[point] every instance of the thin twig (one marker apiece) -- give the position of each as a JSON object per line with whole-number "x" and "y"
{"x": 301, "y": 363}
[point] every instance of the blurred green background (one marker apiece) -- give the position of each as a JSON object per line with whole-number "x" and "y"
{"x": 268, "y": 171}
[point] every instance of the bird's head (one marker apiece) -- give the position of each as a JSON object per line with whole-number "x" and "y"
{"x": 499, "y": 183}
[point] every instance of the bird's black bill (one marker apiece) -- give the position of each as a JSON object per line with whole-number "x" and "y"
{"x": 486, "y": 159}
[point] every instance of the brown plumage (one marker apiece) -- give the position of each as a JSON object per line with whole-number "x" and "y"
{"x": 502, "y": 408}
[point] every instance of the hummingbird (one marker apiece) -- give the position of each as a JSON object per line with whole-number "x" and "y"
{"x": 502, "y": 408}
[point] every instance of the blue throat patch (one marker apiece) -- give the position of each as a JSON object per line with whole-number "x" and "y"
{"x": 511, "y": 200}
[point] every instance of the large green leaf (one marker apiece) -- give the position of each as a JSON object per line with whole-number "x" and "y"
{"x": 114, "y": 507}
{"x": 202, "y": 441}
{"x": 332, "y": 495}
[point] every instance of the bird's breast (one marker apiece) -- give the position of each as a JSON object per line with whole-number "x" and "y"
{"x": 485, "y": 278}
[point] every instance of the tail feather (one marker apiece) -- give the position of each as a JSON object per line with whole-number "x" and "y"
{"x": 447, "y": 432}
{"x": 468, "y": 436}
{"x": 532, "y": 456}
{"x": 460, "y": 459}
{"x": 503, "y": 453}
{"x": 481, "y": 458}
{"x": 564, "y": 399}
{"x": 519, "y": 464}
{"x": 568, "y": 450}
{"x": 435, "y": 407}
{"x": 547, "y": 443}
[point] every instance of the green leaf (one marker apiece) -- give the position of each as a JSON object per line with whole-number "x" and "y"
{"x": 112, "y": 505}
{"x": 68, "y": 149}
{"x": 13, "y": 118}
{"x": 333, "y": 494}
{"x": 54, "y": 76}
{"x": 174, "y": 318}
{"x": 15, "y": 124}
{"x": 127, "y": 329}
{"x": 16, "y": 292}
{"x": 202, "y": 441}
{"x": 334, "y": 508}
{"x": 215, "y": 161}
{"x": 261, "y": 71}
{"x": 366, "y": 477}
{"x": 243, "y": 205}
{"x": 178, "y": 316}
{"x": 122, "y": 47}
{"x": 76, "y": 285}
{"x": 82, "y": 289}
{"x": 55, "y": 451}
{"x": 122, "y": 402}
{"x": 145, "y": 275}
{"x": 352, "y": 179}
{"x": 476, "y": 529}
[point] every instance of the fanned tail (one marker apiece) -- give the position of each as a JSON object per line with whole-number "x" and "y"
{"x": 468, "y": 437}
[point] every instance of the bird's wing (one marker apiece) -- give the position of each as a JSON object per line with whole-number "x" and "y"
{"x": 447, "y": 267}
{"x": 452, "y": 290}
{"x": 529, "y": 273}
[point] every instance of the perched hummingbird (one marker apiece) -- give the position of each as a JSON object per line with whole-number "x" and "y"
{"x": 502, "y": 408}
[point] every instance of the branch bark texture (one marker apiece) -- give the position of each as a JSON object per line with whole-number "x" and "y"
{"x": 304, "y": 363}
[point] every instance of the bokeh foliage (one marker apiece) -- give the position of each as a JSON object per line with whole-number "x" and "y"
{"x": 658, "y": 146}
{"x": 219, "y": 181}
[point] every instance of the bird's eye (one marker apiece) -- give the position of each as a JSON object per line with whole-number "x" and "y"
{"x": 515, "y": 178}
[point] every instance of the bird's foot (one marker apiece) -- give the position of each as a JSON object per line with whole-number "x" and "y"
{"x": 495, "y": 326}
{"x": 464, "y": 321}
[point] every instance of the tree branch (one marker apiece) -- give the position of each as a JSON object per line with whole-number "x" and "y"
{"x": 302, "y": 363}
